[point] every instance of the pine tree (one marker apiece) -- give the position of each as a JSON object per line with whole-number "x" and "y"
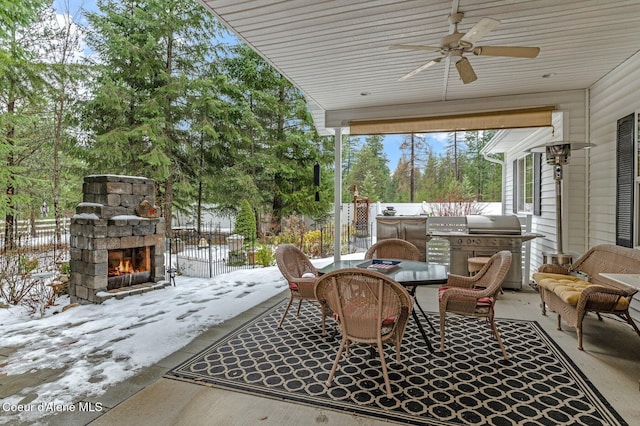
{"x": 151, "y": 54}
{"x": 246, "y": 222}
{"x": 370, "y": 171}
{"x": 484, "y": 176}
{"x": 273, "y": 162}
{"x": 412, "y": 146}
{"x": 23, "y": 105}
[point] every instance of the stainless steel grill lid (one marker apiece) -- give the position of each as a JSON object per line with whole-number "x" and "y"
{"x": 488, "y": 224}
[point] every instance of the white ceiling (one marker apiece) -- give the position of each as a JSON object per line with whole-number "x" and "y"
{"x": 336, "y": 50}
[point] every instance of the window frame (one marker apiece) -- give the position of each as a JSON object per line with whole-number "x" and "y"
{"x": 527, "y": 187}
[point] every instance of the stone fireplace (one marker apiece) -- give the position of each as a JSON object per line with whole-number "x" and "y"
{"x": 117, "y": 239}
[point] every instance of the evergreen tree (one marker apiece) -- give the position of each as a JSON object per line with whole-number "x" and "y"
{"x": 274, "y": 161}
{"x": 484, "y": 176}
{"x": 400, "y": 182}
{"x": 370, "y": 171}
{"x": 455, "y": 153}
{"x": 350, "y": 147}
{"x": 214, "y": 129}
{"x": 23, "y": 104}
{"x": 412, "y": 146}
{"x": 150, "y": 53}
{"x": 246, "y": 222}
{"x": 66, "y": 84}
{"x": 428, "y": 186}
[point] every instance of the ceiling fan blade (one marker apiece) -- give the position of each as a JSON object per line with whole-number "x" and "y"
{"x": 479, "y": 30}
{"x": 415, "y": 47}
{"x": 465, "y": 70}
{"x": 510, "y": 51}
{"x": 420, "y": 68}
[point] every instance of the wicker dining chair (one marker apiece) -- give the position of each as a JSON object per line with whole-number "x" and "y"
{"x": 475, "y": 295}
{"x": 370, "y": 307}
{"x": 394, "y": 248}
{"x": 301, "y": 276}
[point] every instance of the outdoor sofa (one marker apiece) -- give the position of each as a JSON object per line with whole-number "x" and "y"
{"x": 572, "y": 292}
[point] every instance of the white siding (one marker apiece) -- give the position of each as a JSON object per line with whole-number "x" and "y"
{"x": 613, "y": 97}
{"x": 568, "y": 124}
{"x": 616, "y": 95}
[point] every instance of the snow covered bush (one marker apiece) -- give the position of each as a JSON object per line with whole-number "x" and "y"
{"x": 15, "y": 277}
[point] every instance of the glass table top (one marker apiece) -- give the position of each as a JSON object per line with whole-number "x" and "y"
{"x": 409, "y": 272}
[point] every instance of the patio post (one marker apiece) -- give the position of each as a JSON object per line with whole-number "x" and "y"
{"x": 337, "y": 194}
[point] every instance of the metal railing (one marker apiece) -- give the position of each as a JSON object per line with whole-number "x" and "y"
{"x": 202, "y": 254}
{"x": 212, "y": 252}
{"x": 35, "y": 235}
{"x": 207, "y": 255}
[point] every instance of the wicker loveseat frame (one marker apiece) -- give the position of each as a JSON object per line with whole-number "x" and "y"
{"x": 593, "y": 292}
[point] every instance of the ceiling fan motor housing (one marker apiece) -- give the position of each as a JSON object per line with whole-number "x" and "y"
{"x": 452, "y": 41}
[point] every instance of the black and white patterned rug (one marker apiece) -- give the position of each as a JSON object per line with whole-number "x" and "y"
{"x": 469, "y": 384}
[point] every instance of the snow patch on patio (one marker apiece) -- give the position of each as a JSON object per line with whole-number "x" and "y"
{"x": 93, "y": 347}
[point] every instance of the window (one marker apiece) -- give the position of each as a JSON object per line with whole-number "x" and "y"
{"x": 526, "y": 184}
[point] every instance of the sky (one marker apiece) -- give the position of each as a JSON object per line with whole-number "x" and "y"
{"x": 438, "y": 142}
{"x": 97, "y": 346}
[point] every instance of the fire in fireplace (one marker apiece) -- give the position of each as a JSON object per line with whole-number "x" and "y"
{"x": 127, "y": 267}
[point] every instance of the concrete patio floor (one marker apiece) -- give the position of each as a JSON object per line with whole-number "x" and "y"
{"x": 611, "y": 361}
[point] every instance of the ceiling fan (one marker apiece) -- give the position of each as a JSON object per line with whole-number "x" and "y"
{"x": 455, "y": 45}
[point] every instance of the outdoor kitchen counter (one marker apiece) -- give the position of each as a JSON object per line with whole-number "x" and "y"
{"x": 464, "y": 245}
{"x": 525, "y": 236}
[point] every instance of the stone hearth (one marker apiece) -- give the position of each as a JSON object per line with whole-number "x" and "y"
{"x": 116, "y": 218}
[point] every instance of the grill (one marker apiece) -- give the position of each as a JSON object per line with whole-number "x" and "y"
{"x": 485, "y": 235}
{"x": 501, "y": 225}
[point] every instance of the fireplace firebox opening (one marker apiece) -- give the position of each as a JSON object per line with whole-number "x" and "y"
{"x": 127, "y": 267}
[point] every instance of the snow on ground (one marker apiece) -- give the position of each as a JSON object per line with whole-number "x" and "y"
{"x": 97, "y": 346}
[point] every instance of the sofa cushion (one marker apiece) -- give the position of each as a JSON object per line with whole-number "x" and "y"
{"x": 538, "y": 276}
{"x": 568, "y": 288}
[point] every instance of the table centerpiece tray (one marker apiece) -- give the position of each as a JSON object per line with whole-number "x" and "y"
{"x": 380, "y": 265}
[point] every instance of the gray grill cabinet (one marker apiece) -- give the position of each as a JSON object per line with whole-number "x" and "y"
{"x": 410, "y": 228}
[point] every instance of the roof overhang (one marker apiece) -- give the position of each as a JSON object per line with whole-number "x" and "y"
{"x": 337, "y": 52}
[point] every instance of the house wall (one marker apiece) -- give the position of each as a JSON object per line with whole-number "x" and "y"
{"x": 569, "y": 124}
{"x": 614, "y": 96}
{"x": 589, "y": 180}
{"x": 611, "y": 98}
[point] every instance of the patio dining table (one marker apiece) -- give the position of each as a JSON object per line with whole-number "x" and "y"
{"x": 410, "y": 274}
